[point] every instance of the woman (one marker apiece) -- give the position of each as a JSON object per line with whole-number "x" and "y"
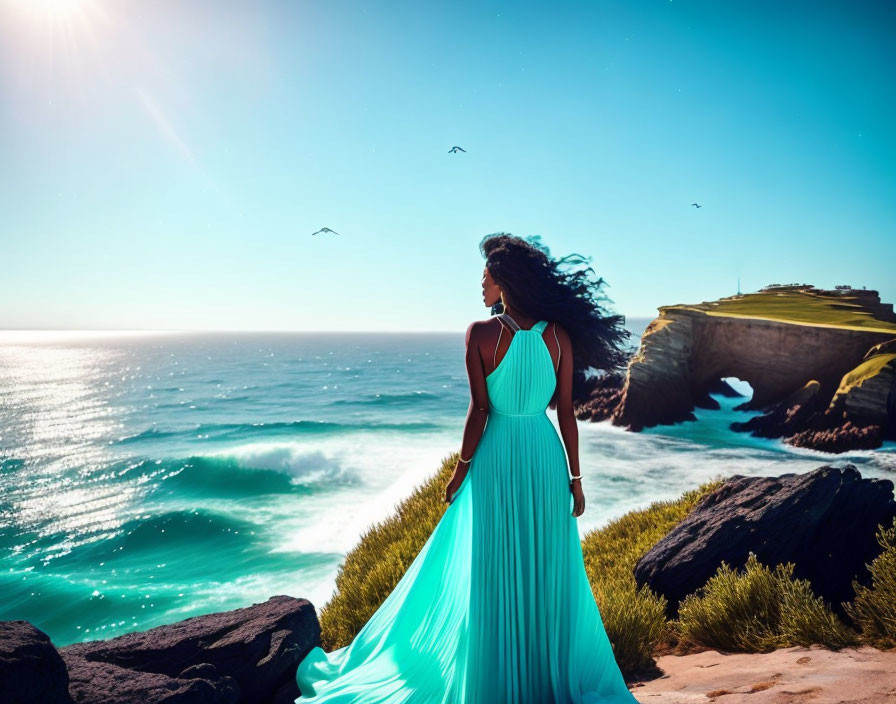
{"x": 497, "y": 608}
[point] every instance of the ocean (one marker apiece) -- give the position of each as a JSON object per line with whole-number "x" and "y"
{"x": 149, "y": 478}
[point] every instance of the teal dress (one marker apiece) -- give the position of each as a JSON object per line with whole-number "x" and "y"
{"x": 496, "y": 607}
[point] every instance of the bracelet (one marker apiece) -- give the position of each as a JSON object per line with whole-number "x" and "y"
{"x": 465, "y": 461}
{"x": 574, "y": 477}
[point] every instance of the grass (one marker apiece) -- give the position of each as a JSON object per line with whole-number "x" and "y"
{"x": 842, "y": 311}
{"x": 748, "y": 610}
{"x": 869, "y": 368}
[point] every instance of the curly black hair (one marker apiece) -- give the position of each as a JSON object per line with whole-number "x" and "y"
{"x": 555, "y": 290}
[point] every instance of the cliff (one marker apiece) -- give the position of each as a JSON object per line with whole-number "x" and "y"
{"x": 822, "y": 365}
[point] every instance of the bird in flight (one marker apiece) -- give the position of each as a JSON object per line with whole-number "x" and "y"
{"x": 454, "y": 150}
{"x": 324, "y": 229}
{"x": 696, "y": 206}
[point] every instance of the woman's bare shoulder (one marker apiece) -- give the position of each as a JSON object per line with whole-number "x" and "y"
{"x": 482, "y": 329}
{"x": 485, "y": 324}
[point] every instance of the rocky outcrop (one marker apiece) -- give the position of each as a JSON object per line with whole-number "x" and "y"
{"x": 105, "y": 683}
{"x": 31, "y": 670}
{"x": 246, "y": 655}
{"x": 823, "y": 521}
{"x": 821, "y": 364}
{"x": 602, "y": 396}
{"x": 865, "y": 394}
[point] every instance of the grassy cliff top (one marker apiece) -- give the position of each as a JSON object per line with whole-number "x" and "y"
{"x": 849, "y": 309}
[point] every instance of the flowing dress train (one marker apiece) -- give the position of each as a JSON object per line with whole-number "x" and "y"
{"x": 496, "y": 607}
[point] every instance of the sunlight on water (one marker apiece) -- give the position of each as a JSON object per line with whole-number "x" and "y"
{"x": 57, "y": 420}
{"x": 35, "y": 337}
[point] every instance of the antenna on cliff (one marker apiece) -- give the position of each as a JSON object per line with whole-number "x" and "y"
{"x": 738, "y": 285}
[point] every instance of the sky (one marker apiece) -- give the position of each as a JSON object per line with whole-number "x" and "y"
{"x": 163, "y": 164}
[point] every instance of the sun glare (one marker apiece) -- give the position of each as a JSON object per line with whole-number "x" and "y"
{"x": 52, "y": 10}
{"x": 66, "y": 32}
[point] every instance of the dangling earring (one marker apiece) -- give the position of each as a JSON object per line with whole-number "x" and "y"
{"x": 503, "y": 303}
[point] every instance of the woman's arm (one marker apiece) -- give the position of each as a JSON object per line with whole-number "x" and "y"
{"x": 477, "y": 413}
{"x": 566, "y": 419}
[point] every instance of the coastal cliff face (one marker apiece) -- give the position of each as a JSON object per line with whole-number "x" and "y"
{"x": 816, "y": 360}
{"x": 866, "y": 391}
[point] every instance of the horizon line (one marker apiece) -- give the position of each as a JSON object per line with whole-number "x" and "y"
{"x": 23, "y": 334}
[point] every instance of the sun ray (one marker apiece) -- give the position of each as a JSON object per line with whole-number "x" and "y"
{"x": 52, "y": 11}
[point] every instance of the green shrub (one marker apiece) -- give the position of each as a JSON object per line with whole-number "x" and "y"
{"x": 874, "y": 607}
{"x": 758, "y": 610}
{"x": 634, "y": 618}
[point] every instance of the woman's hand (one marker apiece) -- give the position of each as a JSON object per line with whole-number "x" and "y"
{"x": 460, "y": 472}
{"x": 575, "y": 487}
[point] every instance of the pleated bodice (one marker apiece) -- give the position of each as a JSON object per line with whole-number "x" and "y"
{"x": 524, "y": 381}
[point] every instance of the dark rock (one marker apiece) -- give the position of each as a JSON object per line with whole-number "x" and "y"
{"x": 287, "y": 694}
{"x": 602, "y": 395}
{"x": 865, "y": 394}
{"x": 806, "y": 395}
{"x": 806, "y": 419}
{"x": 204, "y": 670}
{"x": 841, "y": 438}
{"x": 790, "y": 416}
{"x": 723, "y": 388}
{"x": 31, "y": 669}
{"x": 104, "y": 683}
{"x": 704, "y": 399}
{"x": 823, "y": 521}
{"x": 257, "y": 647}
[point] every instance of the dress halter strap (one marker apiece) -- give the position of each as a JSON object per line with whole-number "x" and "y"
{"x": 513, "y": 325}
{"x": 508, "y": 321}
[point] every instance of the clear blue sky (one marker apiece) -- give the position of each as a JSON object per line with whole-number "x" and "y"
{"x": 163, "y": 165}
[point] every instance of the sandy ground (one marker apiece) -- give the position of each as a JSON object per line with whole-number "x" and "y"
{"x": 814, "y": 675}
